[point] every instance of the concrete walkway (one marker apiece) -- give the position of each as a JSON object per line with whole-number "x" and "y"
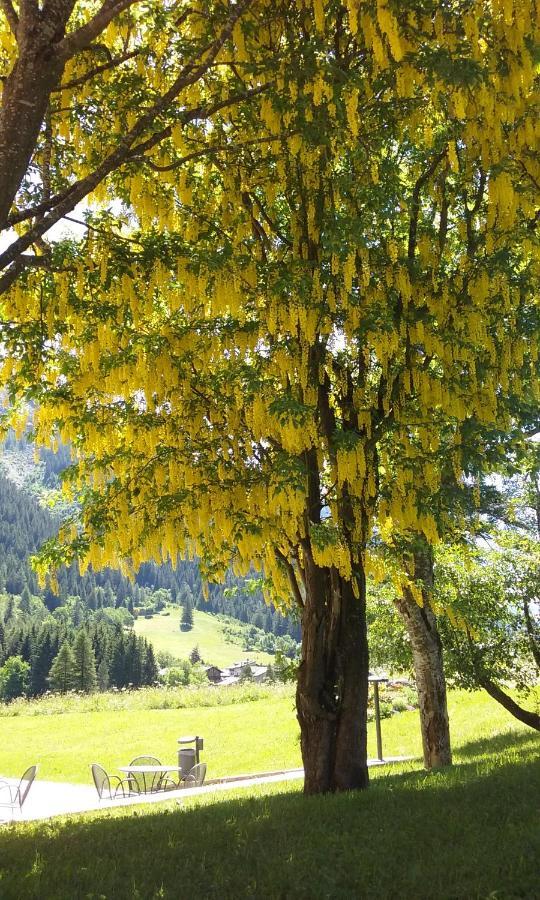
{"x": 57, "y": 798}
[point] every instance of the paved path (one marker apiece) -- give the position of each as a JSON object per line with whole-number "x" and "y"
{"x": 55, "y": 798}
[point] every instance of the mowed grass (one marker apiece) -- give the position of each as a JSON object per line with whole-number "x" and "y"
{"x": 206, "y": 634}
{"x": 469, "y": 831}
{"x": 239, "y": 737}
{"x": 249, "y": 729}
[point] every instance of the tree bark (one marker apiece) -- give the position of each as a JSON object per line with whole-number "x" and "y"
{"x": 25, "y": 98}
{"x": 332, "y": 689}
{"x": 532, "y": 633}
{"x": 421, "y": 626}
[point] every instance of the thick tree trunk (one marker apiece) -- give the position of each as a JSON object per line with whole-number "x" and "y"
{"x": 421, "y": 626}
{"x": 25, "y": 99}
{"x": 332, "y": 688}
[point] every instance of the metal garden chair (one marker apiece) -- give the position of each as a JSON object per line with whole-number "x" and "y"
{"x": 195, "y": 777}
{"x": 109, "y": 787}
{"x": 145, "y": 782}
{"x": 13, "y": 796}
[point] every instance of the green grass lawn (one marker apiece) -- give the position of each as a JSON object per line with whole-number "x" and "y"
{"x": 469, "y": 831}
{"x": 250, "y": 728}
{"x": 207, "y": 633}
{"x": 239, "y": 737}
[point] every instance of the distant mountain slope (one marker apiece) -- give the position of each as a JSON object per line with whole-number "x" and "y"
{"x": 208, "y": 634}
{"x": 27, "y": 486}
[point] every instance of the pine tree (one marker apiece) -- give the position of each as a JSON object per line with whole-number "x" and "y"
{"x": 186, "y": 622}
{"x": 27, "y": 647}
{"x": 195, "y": 656}
{"x": 117, "y": 668}
{"x": 10, "y": 609}
{"x": 85, "y": 663}
{"x": 25, "y": 603}
{"x": 41, "y": 663}
{"x": 132, "y": 661}
{"x": 103, "y": 675}
{"x": 150, "y": 668}
{"x": 63, "y": 676}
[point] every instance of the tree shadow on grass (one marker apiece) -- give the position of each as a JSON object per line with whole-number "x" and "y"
{"x": 458, "y": 833}
{"x": 500, "y": 743}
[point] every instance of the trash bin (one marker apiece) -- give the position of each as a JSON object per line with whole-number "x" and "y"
{"x": 197, "y": 741}
{"x": 186, "y": 760}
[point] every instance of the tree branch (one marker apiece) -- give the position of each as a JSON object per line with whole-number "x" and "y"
{"x": 78, "y": 40}
{"x": 292, "y": 577}
{"x": 415, "y": 201}
{"x": 10, "y": 276}
{"x": 195, "y": 154}
{"x": 111, "y": 64}
{"x": 199, "y": 113}
{"x": 526, "y": 716}
{"x": 133, "y": 153}
{"x": 190, "y": 74}
{"x": 271, "y": 224}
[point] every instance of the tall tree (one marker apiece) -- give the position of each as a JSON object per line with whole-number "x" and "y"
{"x": 85, "y": 678}
{"x": 186, "y": 621}
{"x": 103, "y": 679}
{"x": 2, "y": 642}
{"x": 150, "y": 666}
{"x": 25, "y": 603}
{"x": 347, "y": 273}
{"x": 63, "y": 675}
{"x": 420, "y": 623}
{"x": 14, "y": 678}
{"x": 45, "y": 651}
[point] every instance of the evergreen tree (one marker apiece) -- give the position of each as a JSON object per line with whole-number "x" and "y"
{"x": 117, "y": 668}
{"x": 25, "y": 603}
{"x": 186, "y": 622}
{"x": 150, "y": 668}
{"x": 195, "y": 656}
{"x": 2, "y": 643}
{"x": 103, "y": 675}
{"x": 27, "y": 647}
{"x": 63, "y": 675}
{"x": 85, "y": 663}
{"x": 10, "y": 610}
{"x": 42, "y": 661}
{"x": 108, "y": 596}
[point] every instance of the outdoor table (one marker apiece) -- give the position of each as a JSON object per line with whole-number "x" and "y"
{"x": 152, "y": 770}
{"x": 375, "y": 680}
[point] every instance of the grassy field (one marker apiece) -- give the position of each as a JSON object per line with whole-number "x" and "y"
{"x": 470, "y": 831}
{"x": 207, "y": 634}
{"x": 247, "y": 728}
{"x": 250, "y": 728}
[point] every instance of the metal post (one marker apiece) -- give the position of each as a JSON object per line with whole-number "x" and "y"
{"x": 377, "y": 719}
